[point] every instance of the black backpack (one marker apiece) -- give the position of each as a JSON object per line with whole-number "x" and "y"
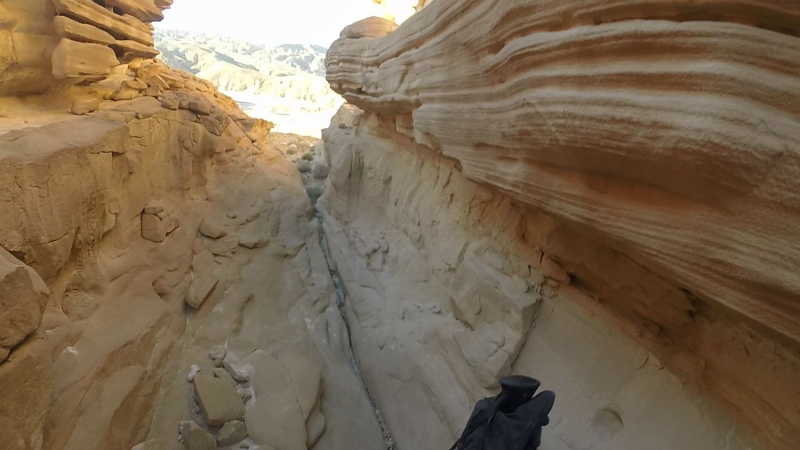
{"x": 511, "y": 421}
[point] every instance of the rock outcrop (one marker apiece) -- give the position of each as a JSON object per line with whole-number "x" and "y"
{"x": 145, "y": 223}
{"x": 591, "y": 168}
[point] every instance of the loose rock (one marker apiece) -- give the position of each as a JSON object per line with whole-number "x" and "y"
{"x": 85, "y": 106}
{"x": 217, "y": 354}
{"x": 196, "y": 438}
{"x": 232, "y": 432}
{"x": 219, "y": 402}
{"x": 244, "y": 393}
{"x": 193, "y": 373}
{"x": 236, "y": 369}
{"x": 212, "y": 229}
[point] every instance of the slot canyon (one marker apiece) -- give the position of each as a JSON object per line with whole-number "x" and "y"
{"x": 603, "y": 195}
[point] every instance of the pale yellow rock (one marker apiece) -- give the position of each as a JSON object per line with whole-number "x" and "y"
{"x": 144, "y": 10}
{"x": 153, "y": 91}
{"x": 580, "y": 338}
{"x": 85, "y": 106}
{"x": 153, "y": 228}
{"x": 73, "y": 59}
{"x": 219, "y": 402}
{"x": 213, "y": 229}
{"x": 274, "y": 390}
{"x": 77, "y": 31}
{"x": 129, "y": 90}
{"x": 204, "y": 280}
{"x": 23, "y": 297}
{"x": 99, "y": 371}
{"x": 26, "y": 45}
{"x": 89, "y": 12}
{"x": 369, "y": 28}
{"x": 131, "y": 49}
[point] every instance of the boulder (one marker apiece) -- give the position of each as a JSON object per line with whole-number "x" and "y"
{"x": 82, "y": 32}
{"x": 238, "y": 370}
{"x": 73, "y": 59}
{"x": 23, "y": 298}
{"x": 232, "y": 432}
{"x": 280, "y": 419}
{"x": 157, "y": 222}
{"x": 204, "y": 280}
{"x": 212, "y": 229}
{"x": 85, "y": 106}
{"x": 219, "y": 402}
{"x": 129, "y": 90}
{"x": 127, "y": 27}
{"x": 196, "y": 438}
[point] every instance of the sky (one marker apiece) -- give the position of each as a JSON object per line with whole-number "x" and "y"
{"x": 270, "y": 22}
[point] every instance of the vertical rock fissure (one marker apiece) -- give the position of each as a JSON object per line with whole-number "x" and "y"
{"x": 341, "y": 299}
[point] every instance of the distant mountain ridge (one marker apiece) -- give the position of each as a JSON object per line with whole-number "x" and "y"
{"x": 284, "y": 84}
{"x": 303, "y": 57}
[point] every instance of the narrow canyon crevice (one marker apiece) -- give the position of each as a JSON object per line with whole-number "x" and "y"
{"x": 341, "y": 302}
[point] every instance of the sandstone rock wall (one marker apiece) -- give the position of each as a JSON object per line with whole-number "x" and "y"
{"x": 451, "y": 285}
{"x": 615, "y": 126}
{"x": 162, "y": 285}
{"x": 47, "y": 40}
{"x": 640, "y": 154}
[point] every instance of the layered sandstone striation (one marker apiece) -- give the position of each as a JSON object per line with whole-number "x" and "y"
{"x": 46, "y": 41}
{"x": 623, "y": 162}
{"x": 162, "y": 285}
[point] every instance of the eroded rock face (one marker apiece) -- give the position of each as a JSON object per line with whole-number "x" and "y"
{"x": 47, "y": 40}
{"x": 23, "y": 297}
{"x": 548, "y": 120}
{"x": 145, "y": 220}
{"x": 600, "y": 169}
{"x": 429, "y": 350}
